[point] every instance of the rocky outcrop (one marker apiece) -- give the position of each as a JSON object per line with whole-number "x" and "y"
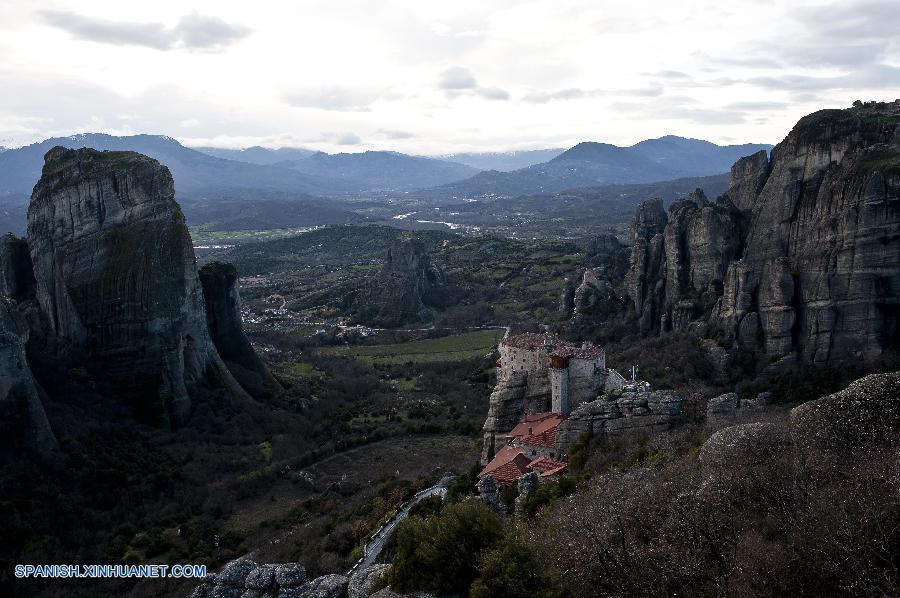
{"x": 861, "y": 419}
{"x": 23, "y": 421}
{"x": 403, "y": 290}
{"x": 819, "y": 276}
{"x": 363, "y": 580}
{"x": 678, "y": 274}
{"x": 116, "y": 279}
{"x": 516, "y": 395}
{"x": 634, "y": 410}
{"x": 16, "y": 274}
{"x": 799, "y": 257}
{"x": 223, "y": 317}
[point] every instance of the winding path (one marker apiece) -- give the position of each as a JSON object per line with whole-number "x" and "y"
{"x": 381, "y": 537}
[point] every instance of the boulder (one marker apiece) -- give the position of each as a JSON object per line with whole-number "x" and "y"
{"x": 327, "y": 586}
{"x": 262, "y": 578}
{"x": 664, "y": 402}
{"x": 236, "y": 573}
{"x": 862, "y": 418}
{"x": 753, "y": 444}
{"x": 362, "y": 580}
{"x": 290, "y": 575}
{"x": 725, "y": 404}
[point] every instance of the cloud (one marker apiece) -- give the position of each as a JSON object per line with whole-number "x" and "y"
{"x": 492, "y": 93}
{"x": 193, "y": 31}
{"x": 394, "y": 134}
{"x": 348, "y": 139}
{"x": 456, "y": 78}
{"x": 680, "y": 108}
{"x": 572, "y": 93}
{"x": 334, "y": 98}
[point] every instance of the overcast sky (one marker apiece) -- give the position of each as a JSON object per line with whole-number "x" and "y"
{"x": 438, "y": 77}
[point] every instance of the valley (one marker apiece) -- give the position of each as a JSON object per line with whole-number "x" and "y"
{"x": 320, "y": 367}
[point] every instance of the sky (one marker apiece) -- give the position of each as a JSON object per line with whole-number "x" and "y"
{"x": 428, "y": 77}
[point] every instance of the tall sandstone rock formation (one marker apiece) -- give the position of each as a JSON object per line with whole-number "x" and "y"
{"x": 223, "y": 316}
{"x": 800, "y": 258}
{"x": 116, "y": 279}
{"x": 404, "y": 288}
{"x": 23, "y": 422}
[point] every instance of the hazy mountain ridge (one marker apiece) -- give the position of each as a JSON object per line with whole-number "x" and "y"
{"x": 590, "y": 164}
{"x": 382, "y": 170}
{"x": 194, "y": 172}
{"x": 504, "y": 161}
{"x": 264, "y": 156}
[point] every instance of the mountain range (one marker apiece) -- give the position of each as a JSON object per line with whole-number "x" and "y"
{"x": 298, "y": 173}
{"x": 590, "y": 164}
{"x": 382, "y": 171}
{"x": 504, "y": 161}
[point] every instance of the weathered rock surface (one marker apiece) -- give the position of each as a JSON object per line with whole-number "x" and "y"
{"x": 361, "y": 582}
{"x": 800, "y": 257}
{"x": 23, "y": 422}
{"x": 679, "y": 275}
{"x": 516, "y": 395}
{"x": 404, "y": 288}
{"x": 753, "y": 444}
{"x": 16, "y": 274}
{"x": 223, "y": 317}
{"x": 862, "y": 418}
{"x": 245, "y": 578}
{"x": 116, "y": 279}
{"x": 634, "y": 410}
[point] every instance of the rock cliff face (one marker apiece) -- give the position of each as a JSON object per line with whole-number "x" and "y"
{"x": 22, "y": 419}
{"x": 223, "y": 316}
{"x": 679, "y": 260}
{"x": 116, "y": 279}
{"x": 800, "y": 258}
{"x": 401, "y": 292}
{"x": 16, "y": 275}
{"x": 514, "y": 396}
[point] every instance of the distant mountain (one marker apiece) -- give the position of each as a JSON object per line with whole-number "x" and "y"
{"x": 590, "y": 164}
{"x": 195, "y": 173}
{"x": 258, "y": 155}
{"x": 504, "y": 161}
{"x": 694, "y": 157}
{"x": 382, "y": 170}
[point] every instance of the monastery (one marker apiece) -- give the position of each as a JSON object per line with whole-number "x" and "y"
{"x": 540, "y": 380}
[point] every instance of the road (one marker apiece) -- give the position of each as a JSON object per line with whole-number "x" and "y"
{"x": 381, "y": 537}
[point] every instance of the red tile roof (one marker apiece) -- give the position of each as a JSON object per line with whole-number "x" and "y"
{"x": 507, "y": 466}
{"x": 547, "y": 467}
{"x": 538, "y": 429}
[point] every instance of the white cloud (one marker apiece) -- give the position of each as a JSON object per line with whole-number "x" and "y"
{"x": 438, "y": 78}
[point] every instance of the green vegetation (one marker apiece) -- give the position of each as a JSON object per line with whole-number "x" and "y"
{"x": 458, "y": 347}
{"x": 464, "y": 550}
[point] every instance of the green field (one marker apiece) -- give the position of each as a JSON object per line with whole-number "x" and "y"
{"x": 457, "y": 347}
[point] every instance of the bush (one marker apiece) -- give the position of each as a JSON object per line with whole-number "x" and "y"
{"x": 439, "y": 554}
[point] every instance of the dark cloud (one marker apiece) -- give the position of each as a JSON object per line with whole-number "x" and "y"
{"x": 492, "y": 93}
{"x": 457, "y": 78}
{"x": 348, "y": 139}
{"x": 193, "y": 31}
{"x": 334, "y": 98}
